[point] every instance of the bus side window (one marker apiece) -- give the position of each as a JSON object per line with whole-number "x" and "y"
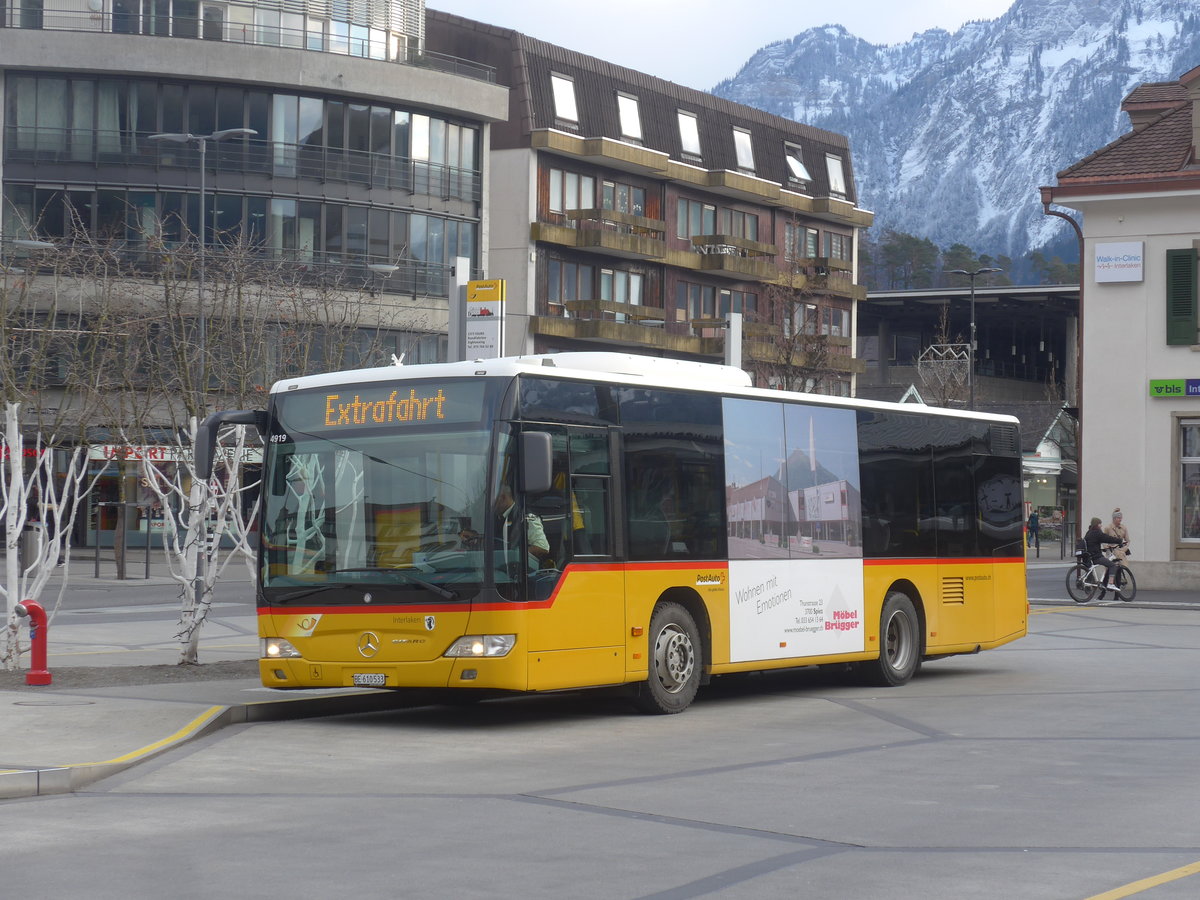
{"x": 589, "y": 510}
{"x": 590, "y": 480}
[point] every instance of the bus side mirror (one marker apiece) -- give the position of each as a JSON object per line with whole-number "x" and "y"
{"x": 536, "y": 458}
{"x": 206, "y": 435}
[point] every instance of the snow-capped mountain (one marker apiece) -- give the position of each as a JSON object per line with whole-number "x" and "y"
{"x": 953, "y": 134}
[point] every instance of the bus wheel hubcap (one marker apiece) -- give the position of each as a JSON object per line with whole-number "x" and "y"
{"x": 673, "y": 657}
{"x": 898, "y": 642}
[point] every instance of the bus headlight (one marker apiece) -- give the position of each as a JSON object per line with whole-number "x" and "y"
{"x": 277, "y": 648}
{"x": 477, "y": 645}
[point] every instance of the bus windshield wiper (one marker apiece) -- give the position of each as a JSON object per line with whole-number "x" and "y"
{"x": 296, "y": 595}
{"x": 443, "y": 592}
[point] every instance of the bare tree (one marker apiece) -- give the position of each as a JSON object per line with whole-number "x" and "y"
{"x": 48, "y": 369}
{"x": 944, "y": 366}
{"x": 262, "y": 319}
{"x": 792, "y": 352}
{"x": 1055, "y": 391}
{"x": 97, "y": 335}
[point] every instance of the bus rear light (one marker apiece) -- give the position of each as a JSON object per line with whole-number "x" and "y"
{"x": 477, "y": 645}
{"x": 277, "y": 648}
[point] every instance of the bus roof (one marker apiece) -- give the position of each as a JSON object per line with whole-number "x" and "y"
{"x": 615, "y": 368}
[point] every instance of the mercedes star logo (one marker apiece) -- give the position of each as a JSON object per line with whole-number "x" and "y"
{"x": 368, "y": 644}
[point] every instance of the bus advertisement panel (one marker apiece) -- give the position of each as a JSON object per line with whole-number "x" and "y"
{"x": 795, "y": 571}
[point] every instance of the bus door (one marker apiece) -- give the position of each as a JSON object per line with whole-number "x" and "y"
{"x": 579, "y": 589}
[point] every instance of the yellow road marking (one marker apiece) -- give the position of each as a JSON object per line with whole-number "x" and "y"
{"x": 193, "y": 726}
{"x": 1145, "y": 884}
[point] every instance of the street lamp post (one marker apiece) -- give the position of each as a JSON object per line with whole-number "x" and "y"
{"x": 200, "y": 494}
{"x": 971, "y": 347}
{"x": 201, "y": 141}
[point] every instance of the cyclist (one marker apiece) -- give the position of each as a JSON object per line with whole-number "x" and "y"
{"x": 1095, "y": 540}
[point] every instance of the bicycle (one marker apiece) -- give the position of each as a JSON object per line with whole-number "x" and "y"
{"x": 1085, "y": 579}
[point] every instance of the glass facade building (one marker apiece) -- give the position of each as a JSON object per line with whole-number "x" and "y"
{"x": 358, "y": 160}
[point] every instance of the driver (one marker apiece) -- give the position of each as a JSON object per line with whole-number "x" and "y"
{"x": 505, "y": 509}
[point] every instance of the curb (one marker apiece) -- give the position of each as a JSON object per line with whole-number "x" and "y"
{"x": 38, "y": 782}
{"x": 1136, "y": 603}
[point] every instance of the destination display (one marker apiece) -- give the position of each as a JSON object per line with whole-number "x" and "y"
{"x": 383, "y": 406}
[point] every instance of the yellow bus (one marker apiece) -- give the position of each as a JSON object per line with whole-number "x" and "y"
{"x": 575, "y": 520}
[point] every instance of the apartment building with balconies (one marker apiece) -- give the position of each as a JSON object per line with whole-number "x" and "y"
{"x": 628, "y": 212}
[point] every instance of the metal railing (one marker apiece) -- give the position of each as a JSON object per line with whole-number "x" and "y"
{"x": 253, "y": 263}
{"x": 50, "y": 146}
{"x": 353, "y": 40}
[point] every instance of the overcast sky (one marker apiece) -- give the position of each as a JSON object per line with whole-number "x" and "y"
{"x": 699, "y": 42}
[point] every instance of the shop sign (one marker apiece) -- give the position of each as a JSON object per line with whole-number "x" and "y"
{"x": 26, "y": 452}
{"x": 136, "y": 452}
{"x": 164, "y": 454}
{"x": 1175, "y": 387}
{"x": 250, "y": 455}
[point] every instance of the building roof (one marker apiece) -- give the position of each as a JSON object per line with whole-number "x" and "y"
{"x": 524, "y": 65}
{"x": 1160, "y": 148}
{"x": 1163, "y": 148}
{"x": 1157, "y": 93}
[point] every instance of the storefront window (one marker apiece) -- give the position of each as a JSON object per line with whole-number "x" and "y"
{"x": 1189, "y": 482}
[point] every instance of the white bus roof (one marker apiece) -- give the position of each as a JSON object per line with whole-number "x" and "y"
{"x": 616, "y": 368}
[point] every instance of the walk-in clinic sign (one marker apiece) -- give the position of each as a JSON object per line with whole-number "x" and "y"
{"x": 1119, "y": 262}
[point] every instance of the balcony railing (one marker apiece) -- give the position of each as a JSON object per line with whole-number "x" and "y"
{"x": 611, "y": 232}
{"x": 648, "y": 316}
{"x": 44, "y": 146}
{"x": 331, "y": 36}
{"x": 736, "y": 257}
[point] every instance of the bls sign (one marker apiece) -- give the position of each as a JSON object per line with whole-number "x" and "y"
{"x": 1175, "y": 387}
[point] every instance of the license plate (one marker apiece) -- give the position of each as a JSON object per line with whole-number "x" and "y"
{"x": 369, "y": 679}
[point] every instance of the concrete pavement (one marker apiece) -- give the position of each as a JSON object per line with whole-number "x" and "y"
{"x": 58, "y": 739}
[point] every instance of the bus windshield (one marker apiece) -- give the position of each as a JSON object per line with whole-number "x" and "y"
{"x": 369, "y": 484}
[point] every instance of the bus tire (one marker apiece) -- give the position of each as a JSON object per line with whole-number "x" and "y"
{"x": 899, "y": 644}
{"x": 676, "y": 658}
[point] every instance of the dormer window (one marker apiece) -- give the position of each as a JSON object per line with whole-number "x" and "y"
{"x": 744, "y": 150}
{"x": 630, "y": 118}
{"x": 689, "y": 133}
{"x": 837, "y": 175}
{"x": 797, "y": 171}
{"x": 563, "y": 87}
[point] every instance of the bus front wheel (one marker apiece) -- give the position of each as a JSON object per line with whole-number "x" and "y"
{"x": 676, "y": 662}
{"x": 899, "y": 644}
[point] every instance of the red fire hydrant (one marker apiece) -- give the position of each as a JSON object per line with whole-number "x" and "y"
{"x": 38, "y": 673}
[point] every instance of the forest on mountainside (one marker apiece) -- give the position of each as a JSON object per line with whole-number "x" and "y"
{"x": 900, "y": 261}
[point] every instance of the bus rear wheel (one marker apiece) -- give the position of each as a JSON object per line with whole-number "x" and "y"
{"x": 676, "y": 658}
{"x": 899, "y": 644}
